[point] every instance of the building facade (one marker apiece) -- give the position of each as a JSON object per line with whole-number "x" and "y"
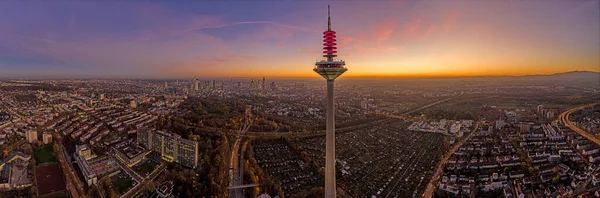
{"x": 170, "y": 147}
{"x": 47, "y": 137}
{"x": 82, "y": 156}
{"x": 130, "y": 154}
{"x": 32, "y": 136}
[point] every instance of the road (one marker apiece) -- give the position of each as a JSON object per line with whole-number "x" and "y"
{"x": 564, "y": 118}
{"x": 12, "y": 112}
{"x": 239, "y": 173}
{"x": 430, "y": 105}
{"x": 134, "y": 190}
{"x": 141, "y": 181}
{"x": 439, "y": 170}
{"x": 74, "y": 184}
{"x": 234, "y": 168}
{"x": 127, "y": 170}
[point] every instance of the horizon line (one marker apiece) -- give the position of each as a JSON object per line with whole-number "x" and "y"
{"x": 288, "y": 77}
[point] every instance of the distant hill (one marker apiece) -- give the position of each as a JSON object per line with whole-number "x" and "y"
{"x": 568, "y": 76}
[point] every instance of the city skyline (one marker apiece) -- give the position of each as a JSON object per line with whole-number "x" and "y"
{"x": 213, "y": 39}
{"x": 448, "y": 98}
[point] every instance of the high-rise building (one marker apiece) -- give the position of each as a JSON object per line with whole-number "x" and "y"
{"x": 170, "y": 147}
{"x": 263, "y": 83}
{"x": 101, "y": 96}
{"x": 330, "y": 69}
{"x": 82, "y": 156}
{"x": 273, "y": 86}
{"x": 47, "y": 137}
{"x": 195, "y": 83}
{"x": 540, "y": 109}
{"x": 364, "y": 105}
{"x": 187, "y": 152}
{"x": 549, "y": 114}
{"x": 32, "y": 136}
{"x": 499, "y": 124}
{"x": 525, "y": 127}
{"x": 192, "y": 83}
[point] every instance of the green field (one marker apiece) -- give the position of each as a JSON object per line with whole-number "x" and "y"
{"x": 44, "y": 155}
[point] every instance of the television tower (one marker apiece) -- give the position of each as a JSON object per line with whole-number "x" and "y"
{"x": 330, "y": 69}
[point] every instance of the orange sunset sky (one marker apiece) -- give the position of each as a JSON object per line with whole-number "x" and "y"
{"x": 283, "y": 39}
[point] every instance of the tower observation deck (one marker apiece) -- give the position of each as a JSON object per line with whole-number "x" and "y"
{"x": 330, "y": 68}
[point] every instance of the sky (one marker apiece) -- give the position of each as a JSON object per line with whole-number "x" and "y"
{"x": 182, "y": 39}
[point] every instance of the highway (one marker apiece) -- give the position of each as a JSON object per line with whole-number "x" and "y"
{"x": 430, "y": 105}
{"x": 439, "y": 170}
{"x": 564, "y": 118}
{"x": 236, "y": 188}
{"x": 234, "y": 168}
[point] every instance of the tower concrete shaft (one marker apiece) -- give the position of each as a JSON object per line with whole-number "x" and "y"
{"x": 330, "y": 69}
{"x": 330, "y": 186}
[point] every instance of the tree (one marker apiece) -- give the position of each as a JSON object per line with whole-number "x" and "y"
{"x": 555, "y": 179}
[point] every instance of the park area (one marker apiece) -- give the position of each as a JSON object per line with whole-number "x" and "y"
{"x": 44, "y": 155}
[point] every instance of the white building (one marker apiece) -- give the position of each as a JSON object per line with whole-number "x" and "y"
{"x": 47, "y": 137}
{"x": 32, "y": 136}
{"x": 499, "y": 124}
{"x": 549, "y": 114}
{"x": 82, "y": 155}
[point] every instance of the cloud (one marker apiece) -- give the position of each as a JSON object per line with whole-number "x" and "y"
{"x": 251, "y": 22}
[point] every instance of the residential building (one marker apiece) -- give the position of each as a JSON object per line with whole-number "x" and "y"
{"x": 15, "y": 162}
{"x": 82, "y": 156}
{"x": 47, "y": 137}
{"x": 131, "y": 154}
{"x": 32, "y": 136}
{"x": 170, "y": 147}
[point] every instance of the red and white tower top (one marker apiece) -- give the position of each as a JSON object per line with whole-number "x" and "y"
{"x": 330, "y": 68}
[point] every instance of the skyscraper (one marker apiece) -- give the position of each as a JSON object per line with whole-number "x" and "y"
{"x": 32, "y": 136}
{"x": 170, "y": 147}
{"x": 330, "y": 69}
{"x": 195, "y": 84}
